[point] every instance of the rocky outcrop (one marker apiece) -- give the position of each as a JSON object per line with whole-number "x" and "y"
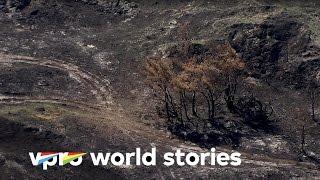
{"x": 273, "y": 49}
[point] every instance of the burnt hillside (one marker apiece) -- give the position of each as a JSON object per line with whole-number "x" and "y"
{"x": 73, "y": 78}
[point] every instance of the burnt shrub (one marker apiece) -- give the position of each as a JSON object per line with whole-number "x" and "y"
{"x": 255, "y": 113}
{"x": 217, "y": 132}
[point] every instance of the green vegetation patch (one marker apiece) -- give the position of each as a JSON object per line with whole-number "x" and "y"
{"x": 38, "y": 111}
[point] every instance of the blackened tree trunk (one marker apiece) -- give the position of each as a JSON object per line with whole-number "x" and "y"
{"x": 167, "y": 107}
{"x": 212, "y": 100}
{"x": 194, "y": 108}
{"x": 230, "y": 92}
{"x": 313, "y": 93}
{"x": 313, "y": 102}
{"x": 184, "y": 104}
{"x": 170, "y": 106}
{"x": 208, "y": 104}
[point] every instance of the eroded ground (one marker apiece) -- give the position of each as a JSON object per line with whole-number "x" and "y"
{"x": 71, "y": 79}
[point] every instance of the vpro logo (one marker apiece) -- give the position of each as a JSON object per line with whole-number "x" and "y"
{"x": 52, "y": 158}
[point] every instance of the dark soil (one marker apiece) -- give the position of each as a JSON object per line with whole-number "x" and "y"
{"x": 83, "y": 64}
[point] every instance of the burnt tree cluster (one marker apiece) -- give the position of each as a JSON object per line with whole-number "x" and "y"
{"x": 190, "y": 85}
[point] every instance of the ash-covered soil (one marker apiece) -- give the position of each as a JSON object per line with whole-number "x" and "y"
{"x": 72, "y": 79}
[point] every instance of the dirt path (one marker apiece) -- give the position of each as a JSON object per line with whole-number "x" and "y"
{"x": 100, "y": 88}
{"x": 51, "y": 100}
